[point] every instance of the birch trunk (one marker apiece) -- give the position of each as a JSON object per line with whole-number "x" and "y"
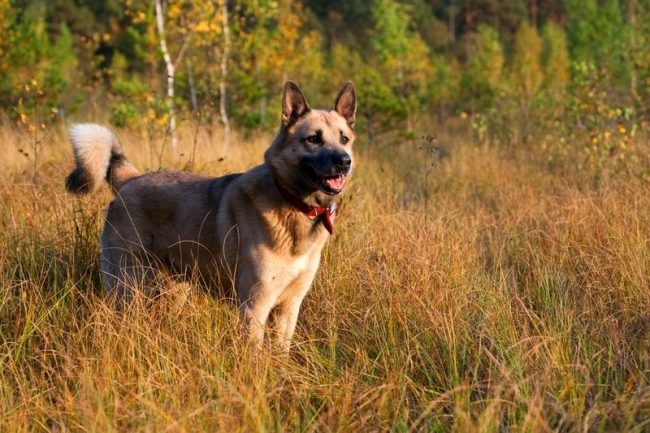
{"x": 224, "y": 73}
{"x": 160, "y": 21}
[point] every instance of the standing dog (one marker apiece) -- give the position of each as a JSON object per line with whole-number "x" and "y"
{"x": 260, "y": 232}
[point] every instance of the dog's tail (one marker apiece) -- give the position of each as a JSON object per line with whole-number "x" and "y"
{"x": 99, "y": 157}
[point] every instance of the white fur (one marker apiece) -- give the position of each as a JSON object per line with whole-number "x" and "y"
{"x": 93, "y": 146}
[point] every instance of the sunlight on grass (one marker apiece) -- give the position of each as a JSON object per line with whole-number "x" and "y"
{"x": 516, "y": 300}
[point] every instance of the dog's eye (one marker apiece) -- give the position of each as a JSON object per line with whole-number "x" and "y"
{"x": 344, "y": 139}
{"x": 314, "y": 139}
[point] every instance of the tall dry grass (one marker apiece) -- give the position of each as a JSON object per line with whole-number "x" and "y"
{"x": 484, "y": 294}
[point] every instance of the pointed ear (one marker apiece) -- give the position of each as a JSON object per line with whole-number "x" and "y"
{"x": 346, "y": 103}
{"x": 294, "y": 104}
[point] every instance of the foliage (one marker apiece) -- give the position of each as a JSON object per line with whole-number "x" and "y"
{"x": 527, "y": 76}
{"x": 382, "y": 110}
{"x": 402, "y": 55}
{"x": 483, "y": 69}
{"x": 556, "y": 61}
{"x": 32, "y": 59}
{"x": 411, "y": 61}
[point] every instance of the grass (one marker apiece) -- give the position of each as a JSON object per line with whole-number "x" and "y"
{"x": 487, "y": 294}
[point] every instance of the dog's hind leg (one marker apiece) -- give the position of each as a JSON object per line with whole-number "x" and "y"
{"x": 110, "y": 273}
{"x": 119, "y": 278}
{"x": 126, "y": 264}
{"x": 124, "y": 273}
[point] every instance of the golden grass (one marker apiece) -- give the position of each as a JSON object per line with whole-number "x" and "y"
{"x": 516, "y": 301}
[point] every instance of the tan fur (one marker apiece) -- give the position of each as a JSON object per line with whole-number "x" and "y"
{"x": 234, "y": 232}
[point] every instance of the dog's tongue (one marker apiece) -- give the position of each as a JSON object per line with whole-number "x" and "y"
{"x": 335, "y": 183}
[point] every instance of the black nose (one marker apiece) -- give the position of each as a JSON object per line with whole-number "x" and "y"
{"x": 342, "y": 161}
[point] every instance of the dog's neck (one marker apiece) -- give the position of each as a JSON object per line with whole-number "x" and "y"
{"x": 324, "y": 213}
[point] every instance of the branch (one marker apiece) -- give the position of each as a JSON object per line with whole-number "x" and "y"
{"x": 183, "y": 50}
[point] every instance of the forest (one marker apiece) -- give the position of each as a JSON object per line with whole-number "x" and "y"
{"x": 577, "y": 61}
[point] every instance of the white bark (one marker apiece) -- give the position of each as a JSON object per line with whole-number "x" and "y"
{"x": 160, "y": 21}
{"x": 224, "y": 73}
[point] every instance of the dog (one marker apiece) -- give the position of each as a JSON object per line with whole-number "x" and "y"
{"x": 257, "y": 234}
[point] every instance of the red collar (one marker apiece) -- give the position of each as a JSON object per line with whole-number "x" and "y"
{"x": 311, "y": 211}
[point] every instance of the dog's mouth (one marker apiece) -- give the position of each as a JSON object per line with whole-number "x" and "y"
{"x": 332, "y": 184}
{"x": 329, "y": 181}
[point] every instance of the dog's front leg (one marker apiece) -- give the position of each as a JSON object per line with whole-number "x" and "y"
{"x": 284, "y": 325}
{"x": 286, "y": 312}
{"x": 254, "y": 315}
{"x": 257, "y": 298}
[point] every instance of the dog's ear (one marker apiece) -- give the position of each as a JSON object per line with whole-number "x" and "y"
{"x": 346, "y": 103}
{"x": 294, "y": 104}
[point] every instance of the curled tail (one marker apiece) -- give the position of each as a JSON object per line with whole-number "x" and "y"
{"x": 99, "y": 157}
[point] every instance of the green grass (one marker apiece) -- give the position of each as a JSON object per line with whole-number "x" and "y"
{"x": 515, "y": 300}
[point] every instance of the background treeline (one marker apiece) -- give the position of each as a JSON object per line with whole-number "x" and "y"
{"x": 517, "y": 69}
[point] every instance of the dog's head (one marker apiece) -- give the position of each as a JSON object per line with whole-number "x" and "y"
{"x": 312, "y": 154}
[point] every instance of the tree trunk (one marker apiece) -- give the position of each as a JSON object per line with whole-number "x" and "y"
{"x": 224, "y": 73}
{"x": 160, "y": 21}
{"x": 190, "y": 83}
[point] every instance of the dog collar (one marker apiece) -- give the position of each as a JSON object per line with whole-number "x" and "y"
{"x": 312, "y": 212}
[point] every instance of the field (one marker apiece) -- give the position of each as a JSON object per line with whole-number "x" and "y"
{"x": 468, "y": 289}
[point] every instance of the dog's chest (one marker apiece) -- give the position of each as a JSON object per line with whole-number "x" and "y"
{"x": 285, "y": 270}
{"x": 294, "y": 266}
{"x": 298, "y": 265}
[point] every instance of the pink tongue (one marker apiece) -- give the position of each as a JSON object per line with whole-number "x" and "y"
{"x": 336, "y": 183}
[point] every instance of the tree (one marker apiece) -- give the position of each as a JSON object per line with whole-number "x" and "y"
{"x": 483, "y": 67}
{"x": 527, "y": 76}
{"x": 639, "y": 53}
{"x": 598, "y": 35}
{"x": 583, "y": 33}
{"x": 36, "y": 66}
{"x": 402, "y": 54}
{"x": 444, "y": 85}
{"x": 382, "y": 109}
{"x": 614, "y": 41}
{"x": 556, "y": 59}
{"x": 6, "y": 20}
{"x": 271, "y": 45}
{"x": 224, "y": 72}
{"x": 169, "y": 64}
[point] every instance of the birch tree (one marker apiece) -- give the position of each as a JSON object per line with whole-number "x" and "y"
{"x": 224, "y": 73}
{"x": 171, "y": 109}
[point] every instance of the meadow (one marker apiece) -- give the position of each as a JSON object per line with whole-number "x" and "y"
{"x": 467, "y": 288}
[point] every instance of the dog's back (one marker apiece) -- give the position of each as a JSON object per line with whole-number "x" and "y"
{"x": 157, "y": 221}
{"x": 166, "y": 220}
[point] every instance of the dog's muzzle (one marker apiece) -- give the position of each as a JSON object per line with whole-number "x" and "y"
{"x": 328, "y": 170}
